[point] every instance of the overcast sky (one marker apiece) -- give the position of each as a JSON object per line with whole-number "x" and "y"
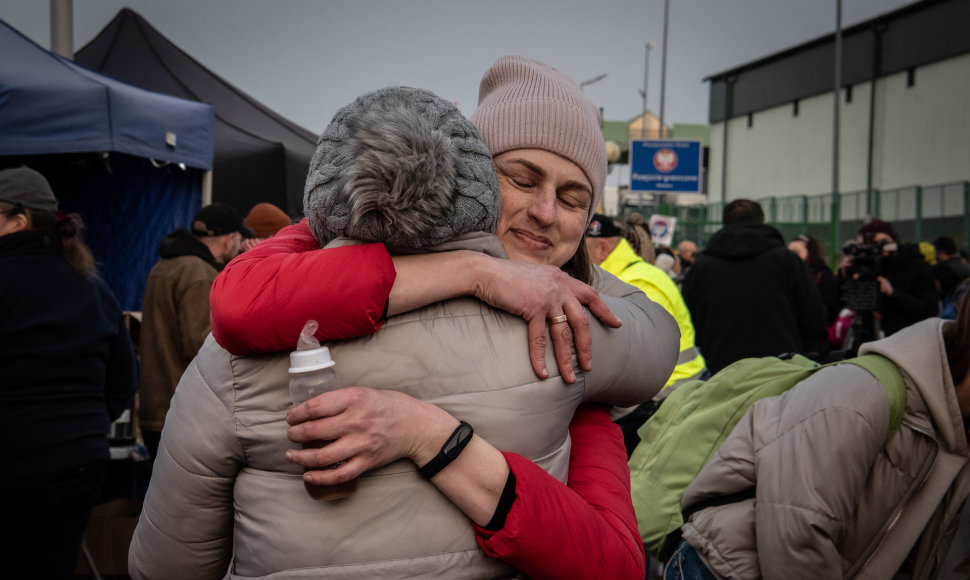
{"x": 307, "y": 58}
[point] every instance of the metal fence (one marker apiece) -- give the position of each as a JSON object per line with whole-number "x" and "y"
{"x": 917, "y": 213}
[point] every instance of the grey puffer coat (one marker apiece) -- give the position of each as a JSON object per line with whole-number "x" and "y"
{"x": 834, "y": 499}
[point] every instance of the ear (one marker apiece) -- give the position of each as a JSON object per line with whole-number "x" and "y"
{"x": 19, "y": 222}
{"x": 233, "y": 241}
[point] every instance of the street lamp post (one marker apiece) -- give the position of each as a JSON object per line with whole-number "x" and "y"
{"x": 643, "y": 92}
{"x": 663, "y": 69}
{"x": 597, "y": 78}
{"x": 836, "y": 89}
{"x": 582, "y": 87}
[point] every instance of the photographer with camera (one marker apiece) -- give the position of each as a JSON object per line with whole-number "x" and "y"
{"x": 889, "y": 285}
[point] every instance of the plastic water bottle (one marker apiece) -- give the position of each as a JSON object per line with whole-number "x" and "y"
{"x": 312, "y": 373}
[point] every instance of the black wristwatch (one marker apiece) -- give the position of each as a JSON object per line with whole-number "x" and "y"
{"x": 449, "y": 451}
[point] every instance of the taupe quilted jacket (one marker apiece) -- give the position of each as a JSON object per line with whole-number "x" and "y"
{"x": 833, "y": 498}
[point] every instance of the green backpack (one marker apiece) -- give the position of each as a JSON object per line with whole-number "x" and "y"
{"x": 695, "y": 419}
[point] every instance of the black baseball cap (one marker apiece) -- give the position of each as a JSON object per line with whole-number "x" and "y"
{"x": 219, "y": 219}
{"x": 602, "y": 226}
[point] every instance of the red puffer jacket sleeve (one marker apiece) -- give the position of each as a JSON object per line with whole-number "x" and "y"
{"x": 262, "y": 299}
{"x": 584, "y": 531}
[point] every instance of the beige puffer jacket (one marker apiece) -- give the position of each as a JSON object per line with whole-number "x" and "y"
{"x": 834, "y": 499}
{"x": 223, "y": 489}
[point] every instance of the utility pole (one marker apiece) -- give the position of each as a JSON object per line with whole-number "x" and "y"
{"x": 62, "y": 28}
{"x": 643, "y": 93}
{"x": 837, "y": 91}
{"x": 663, "y": 69}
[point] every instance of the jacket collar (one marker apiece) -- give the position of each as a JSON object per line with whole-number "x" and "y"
{"x": 919, "y": 351}
{"x": 27, "y": 239}
{"x": 181, "y": 242}
{"x": 620, "y": 258}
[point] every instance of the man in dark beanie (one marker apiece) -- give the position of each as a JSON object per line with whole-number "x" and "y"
{"x": 907, "y": 291}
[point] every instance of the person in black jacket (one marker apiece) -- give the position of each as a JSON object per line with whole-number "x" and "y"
{"x": 67, "y": 369}
{"x": 750, "y": 296}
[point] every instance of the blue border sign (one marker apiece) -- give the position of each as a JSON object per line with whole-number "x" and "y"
{"x": 665, "y": 165}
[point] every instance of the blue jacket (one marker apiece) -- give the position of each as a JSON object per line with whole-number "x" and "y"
{"x": 66, "y": 364}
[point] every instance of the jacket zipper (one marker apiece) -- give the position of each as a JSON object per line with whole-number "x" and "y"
{"x": 898, "y": 512}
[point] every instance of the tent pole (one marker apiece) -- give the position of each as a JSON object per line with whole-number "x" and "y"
{"x": 62, "y": 28}
{"x": 207, "y": 188}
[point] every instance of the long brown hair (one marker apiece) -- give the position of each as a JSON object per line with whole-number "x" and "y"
{"x": 580, "y": 266}
{"x": 64, "y": 230}
{"x": 815, "y": 258}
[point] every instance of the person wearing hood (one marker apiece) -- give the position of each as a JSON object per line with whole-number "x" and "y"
{"x": 175, "y": 309}
{"x": 748, "y": 295}
{"x": 813, "y": 483}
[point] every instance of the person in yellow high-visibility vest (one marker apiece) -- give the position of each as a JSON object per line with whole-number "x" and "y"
{"x": 613, "y": 253}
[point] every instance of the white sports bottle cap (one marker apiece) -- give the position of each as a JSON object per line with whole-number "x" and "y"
{"x": 304, "y": 361}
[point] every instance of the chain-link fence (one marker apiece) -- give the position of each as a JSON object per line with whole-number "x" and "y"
{"x": 917, "y": 213}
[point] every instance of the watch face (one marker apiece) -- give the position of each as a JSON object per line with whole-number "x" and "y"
{"x": 455, "y": 444}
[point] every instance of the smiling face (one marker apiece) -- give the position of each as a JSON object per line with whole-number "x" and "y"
{"x": 545, "y": 206}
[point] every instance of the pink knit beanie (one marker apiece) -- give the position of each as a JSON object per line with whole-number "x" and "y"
{"x": 525, "y": 104}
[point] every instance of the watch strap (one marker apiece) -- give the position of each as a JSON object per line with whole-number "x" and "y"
{"x": 456, "y": 442}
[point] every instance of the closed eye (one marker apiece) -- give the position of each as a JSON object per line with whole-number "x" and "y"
{"x": 574, "y": 197}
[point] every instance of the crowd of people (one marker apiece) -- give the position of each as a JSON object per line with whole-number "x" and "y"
{"x": 500, "y": 344}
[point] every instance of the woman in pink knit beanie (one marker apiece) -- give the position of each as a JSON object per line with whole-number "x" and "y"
{"x": 550, "y": 157}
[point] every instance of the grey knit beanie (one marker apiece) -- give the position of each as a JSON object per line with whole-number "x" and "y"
{"x": 525, "y": 104}
{"x": 400, "y": 166}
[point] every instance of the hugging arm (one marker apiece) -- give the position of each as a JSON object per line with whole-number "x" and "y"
{"x": 261, "y": 300}
{"x": 345, "y": 289}
{"x": 632, "y": 362}
{"x": 589, "y": 523}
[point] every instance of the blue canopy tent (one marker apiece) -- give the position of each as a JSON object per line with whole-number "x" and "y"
{"x": 130, "y": 161}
